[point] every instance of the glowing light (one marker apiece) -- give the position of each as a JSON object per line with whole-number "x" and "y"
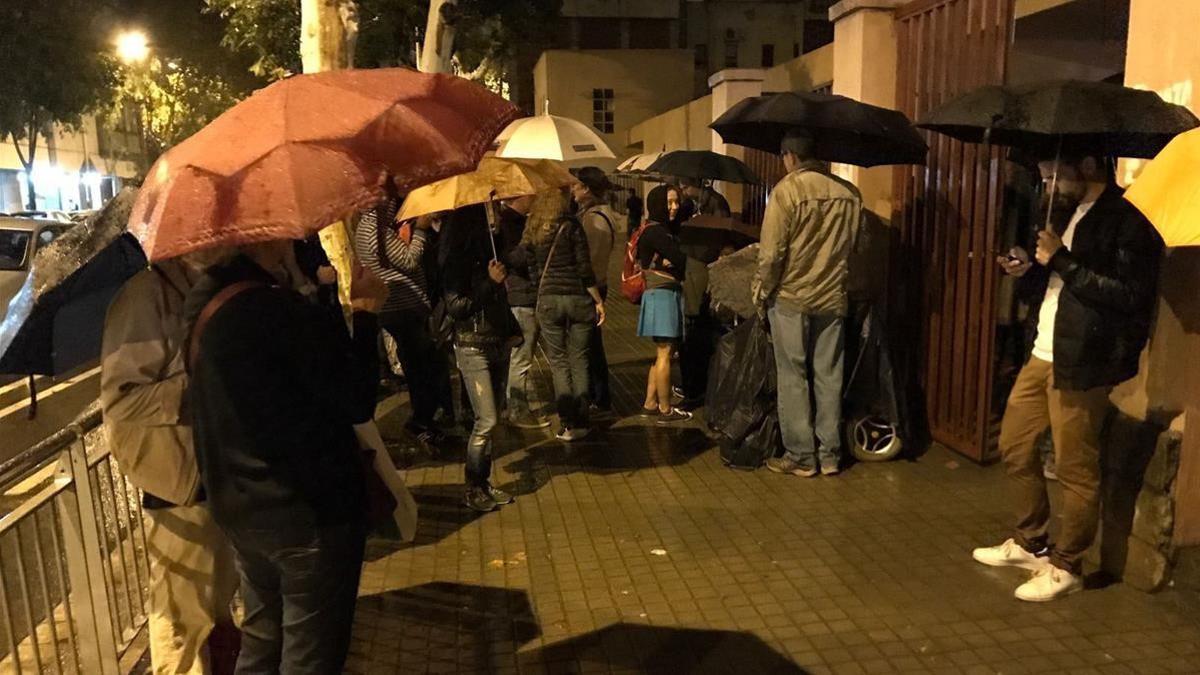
{"x": 132, "y": 46}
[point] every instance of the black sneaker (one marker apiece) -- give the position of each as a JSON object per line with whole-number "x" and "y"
{"x": 676, "y": 415}
{"x": 479, "y": 499}
{"x": 428, "y": 435}
{"x": 499, "y": 496}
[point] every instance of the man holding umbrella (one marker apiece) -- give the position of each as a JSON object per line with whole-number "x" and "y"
{"x": 808, "y": 232}
{"x": 1097, "y": 279}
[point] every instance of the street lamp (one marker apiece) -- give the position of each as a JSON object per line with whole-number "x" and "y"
{"x": 132, "y": 46}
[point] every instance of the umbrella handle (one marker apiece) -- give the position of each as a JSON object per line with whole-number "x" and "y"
{"x": 491, "y": 210}
{"x": 1053, "y": 183}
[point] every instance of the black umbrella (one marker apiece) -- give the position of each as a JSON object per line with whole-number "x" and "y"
{"x": 1069, "y": 116}
{"x": 844, "y": 130}
{"x": 54, "y": 323}
{"x": 702, "y": 165}
{"x": 703, "y": 237}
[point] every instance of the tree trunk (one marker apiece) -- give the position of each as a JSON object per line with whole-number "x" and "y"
{"x": 439, "y": 38}
{"x": 328, "y": 29}
{"x": 26, "y": 160}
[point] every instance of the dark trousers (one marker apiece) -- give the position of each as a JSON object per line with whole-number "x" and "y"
{"x": 566, "y": 322}
{"x": 598, "y": 390}
{"x": 425, "y": 366}
{"x": 695, "y": 353}
{"x": 300, "y": 588}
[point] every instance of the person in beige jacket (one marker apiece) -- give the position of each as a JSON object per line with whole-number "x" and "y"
{"x": 143, "y": 394}
{"x": 809, "y": 230}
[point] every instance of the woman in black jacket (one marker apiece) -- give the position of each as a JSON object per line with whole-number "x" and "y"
{"x": 485, "y": 332}
{"x": 568, "y": 304}
{"x": 661, "y": 317}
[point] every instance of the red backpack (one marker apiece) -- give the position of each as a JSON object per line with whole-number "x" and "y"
{"x": 633, "y": 277}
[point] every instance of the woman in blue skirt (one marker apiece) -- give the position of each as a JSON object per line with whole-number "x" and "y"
{"x": 661, "y": 317}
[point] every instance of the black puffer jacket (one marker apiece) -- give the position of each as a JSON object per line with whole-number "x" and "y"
{"x": 569, "y": 270}
{"x": 521, "y": 290}
{"x": 1110, "y": 278}
{"x": 478, "y": 305}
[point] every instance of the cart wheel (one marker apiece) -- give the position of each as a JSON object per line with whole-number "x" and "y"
{"x": 873, "y": 439}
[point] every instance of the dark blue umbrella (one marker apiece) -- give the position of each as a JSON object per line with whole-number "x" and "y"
{"x": 55, "y": 322}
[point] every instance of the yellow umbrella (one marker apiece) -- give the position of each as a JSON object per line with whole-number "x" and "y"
{"x": 496, "y": 178}
{"x": 1168, "y": 191}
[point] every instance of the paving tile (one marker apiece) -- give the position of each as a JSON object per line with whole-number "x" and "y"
{"x": 868, "y": 572}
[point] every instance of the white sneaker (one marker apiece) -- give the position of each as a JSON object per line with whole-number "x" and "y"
{"x": 569, "y": 435}
{"x": 1008, "y": 554}
{"x": 1049, "y": 583}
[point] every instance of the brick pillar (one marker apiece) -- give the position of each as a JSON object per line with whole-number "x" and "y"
{"x": 864, "y": 69}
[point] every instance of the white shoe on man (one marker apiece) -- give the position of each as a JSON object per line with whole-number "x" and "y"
{"x": 1008, "y": 554}
{"x": 1049, "y": 583}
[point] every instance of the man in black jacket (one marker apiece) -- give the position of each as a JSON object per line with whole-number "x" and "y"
{"x": 485, "y": 332}
{"x": 1099, "y": 276}
{"x": 277, "y": 385}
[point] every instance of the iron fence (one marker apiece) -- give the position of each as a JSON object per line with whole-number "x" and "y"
{"x": 73, "y": 565}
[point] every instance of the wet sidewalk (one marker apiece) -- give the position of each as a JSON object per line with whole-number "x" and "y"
{"x": 637, "y": 551}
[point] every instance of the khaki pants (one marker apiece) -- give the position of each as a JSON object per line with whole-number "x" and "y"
{"x": 1075, "y": 419}
{"x": 193, "y": 579}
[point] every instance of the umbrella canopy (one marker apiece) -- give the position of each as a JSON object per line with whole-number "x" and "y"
{"x": 639, "y": 163}
{"x": 55, "y": 322}
{"x": 304, "y": 151}
{"x": 1168, "y": 191}
{"x": 844, "y": 130}
{"x": 729, "y": 281}
{"x": 495, "y": 178}
{"x": 1064, "y": 116}
{"x": 703, "y": 165}
{"x": 703, "y": 237}
{"x": 553, "y": 137}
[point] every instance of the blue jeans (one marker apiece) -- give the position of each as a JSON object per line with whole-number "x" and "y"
{"x": 803, "y": 344}
{"x": 521, "y": 388}
{"x": 300, "y": 588}
{"x": 566, "y": 322}
{"x": 483, "y": 370}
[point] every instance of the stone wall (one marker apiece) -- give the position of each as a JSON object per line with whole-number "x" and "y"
{"x": 1139, "y": 465}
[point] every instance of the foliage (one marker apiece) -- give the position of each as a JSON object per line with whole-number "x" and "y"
{"x": 490, "y": 33}
{"x": 267, "y": 29}
{"x": 175, "y": 99}
{"x": 56, "y": 68}
{"x": 188, "y": 79}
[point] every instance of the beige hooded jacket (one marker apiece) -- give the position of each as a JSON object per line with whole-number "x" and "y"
{"x": 142, "y": 384}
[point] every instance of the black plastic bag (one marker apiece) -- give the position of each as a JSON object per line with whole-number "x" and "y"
{"x": 741, "y": 382}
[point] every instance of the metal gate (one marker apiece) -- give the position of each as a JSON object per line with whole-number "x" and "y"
{"x": 769, "y": 168}
{"x": 947, "y": 215}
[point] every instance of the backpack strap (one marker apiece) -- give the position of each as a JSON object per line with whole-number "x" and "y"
{"x": 214, "y": 305}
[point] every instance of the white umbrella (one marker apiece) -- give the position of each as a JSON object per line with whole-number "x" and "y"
{"x": 553, "y": 137}
{"x": 639, "y": 163}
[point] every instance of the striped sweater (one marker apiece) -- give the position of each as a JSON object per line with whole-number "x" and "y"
{"x": 397, "y": 262}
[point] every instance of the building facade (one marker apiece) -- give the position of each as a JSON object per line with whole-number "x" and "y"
{"x": 73, "y": 169}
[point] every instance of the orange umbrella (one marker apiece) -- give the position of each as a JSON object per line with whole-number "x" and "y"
{"x": 300, "y": 153}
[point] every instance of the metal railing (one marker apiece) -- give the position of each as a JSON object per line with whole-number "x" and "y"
{"x": 73, "y": 565}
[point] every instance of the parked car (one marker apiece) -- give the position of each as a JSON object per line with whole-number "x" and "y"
{"x": 56, "y": 216}
{"x": 20, "y": 239}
